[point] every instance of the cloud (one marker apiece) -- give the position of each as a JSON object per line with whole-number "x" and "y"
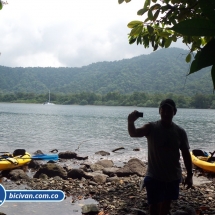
{"x": 66, "y": 33}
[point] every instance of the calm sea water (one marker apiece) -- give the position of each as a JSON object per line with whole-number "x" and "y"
{"x": 86, "y": 130}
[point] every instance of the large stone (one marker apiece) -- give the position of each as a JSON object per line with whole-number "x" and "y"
{"x": 34, "y": 164}
{"x": 17, "y": 174}
{"x": 111, "y": 171}
{"x": 137, "y": 166}
{"x": 90, "y": 208}
{"x": 134, "y": 166}
{"x": 81, "y": 157}
{"x": 197, "y": 181}
{"x": 76, "y": 173}
{"x": 38, "y": 152}
{"x": 96, "y": 167}
{"x": 124, "y": 171}
{"x": 102, "y": 153}
{"x": 105, "y": 163}
{"x": 67, "y": 155}
{"x": 51, "y": 170}
{"x": 97, "y": 177}
{"x": 113, "y": 179}
{"x": 100, "y": 178}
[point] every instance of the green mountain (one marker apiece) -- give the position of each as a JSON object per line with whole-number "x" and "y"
{"x": 162, "y": 71}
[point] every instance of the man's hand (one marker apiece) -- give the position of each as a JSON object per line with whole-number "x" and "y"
{"x": 188, "y": 181}
{"x": 137, "y": 132}
{"x": 132, "y": 117}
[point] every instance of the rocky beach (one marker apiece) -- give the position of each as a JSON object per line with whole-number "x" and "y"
{"x": 116, "y": 188}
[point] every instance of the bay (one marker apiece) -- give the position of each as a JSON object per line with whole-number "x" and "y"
{"x": 87, "y": 129}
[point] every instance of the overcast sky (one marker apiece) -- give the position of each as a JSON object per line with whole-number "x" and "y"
{"x": 67, "y": 33}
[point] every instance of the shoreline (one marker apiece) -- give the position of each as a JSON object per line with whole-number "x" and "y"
{"x": 105, "y": 105}
{"x": 116, "y": 189}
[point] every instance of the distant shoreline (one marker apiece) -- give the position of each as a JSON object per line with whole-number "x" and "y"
{"x": 136, "y": 99}
{"x": 103, "y": 105}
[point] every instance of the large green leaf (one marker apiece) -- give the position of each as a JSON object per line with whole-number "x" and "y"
{"x": 136, "y": 31}
{"x": 132, "y": 40}
{"x": 213, "y": 75}
{"x": 168, "y": 42}
{"x": 139, "y": 40}
{"x": 194, "y": 64}
{"x": 141, "y": 11}
{"x": 134, "y": 23}
{"x": 155, "y": 7}
{"x": 195, "y": 27}
{"x": 162, "y": 42}
{"x": 204, "y": 58}
{"x": 156, "y": 15}
{"x": 146, "y": 41}
{"x": 188, "y": 58}
{"x": 174, "y": 38}
{"x": 155, "y": 47}
{"x": 164, "y": 34}
{"x": 150, "y": 15}
{"x": 120, "y": 1}
{"x": 150, "y": 29}
{"x": 147, "y": 3}
{"x": 208, "y": 9}
{"x": 1, "y": 5}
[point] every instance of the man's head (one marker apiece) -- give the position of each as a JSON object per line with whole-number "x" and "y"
{"x": 170, "y": 103}
{"x": 167, "y": 110}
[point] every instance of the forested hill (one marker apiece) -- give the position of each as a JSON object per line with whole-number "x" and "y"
{"x": 162, "y": 71}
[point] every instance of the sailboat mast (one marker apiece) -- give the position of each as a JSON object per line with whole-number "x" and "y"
{"x": 49, "y": 96}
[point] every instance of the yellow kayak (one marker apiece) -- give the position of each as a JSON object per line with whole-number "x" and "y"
{"x": 10, "y": 162}
{"x": 201, "y": 161}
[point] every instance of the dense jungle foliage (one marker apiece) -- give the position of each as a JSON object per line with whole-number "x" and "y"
{"x": 163, "y": 71}
{"x": 139, "y": 99}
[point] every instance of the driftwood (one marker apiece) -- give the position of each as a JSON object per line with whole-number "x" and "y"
{"x": 80, "y": 144}
{"x": 118, "y": 149}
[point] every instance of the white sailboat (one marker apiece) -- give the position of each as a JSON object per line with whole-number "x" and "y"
{"x": 49, "y": 101}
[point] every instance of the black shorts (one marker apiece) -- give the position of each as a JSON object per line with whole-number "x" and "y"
{"x": 160, "y": 191}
